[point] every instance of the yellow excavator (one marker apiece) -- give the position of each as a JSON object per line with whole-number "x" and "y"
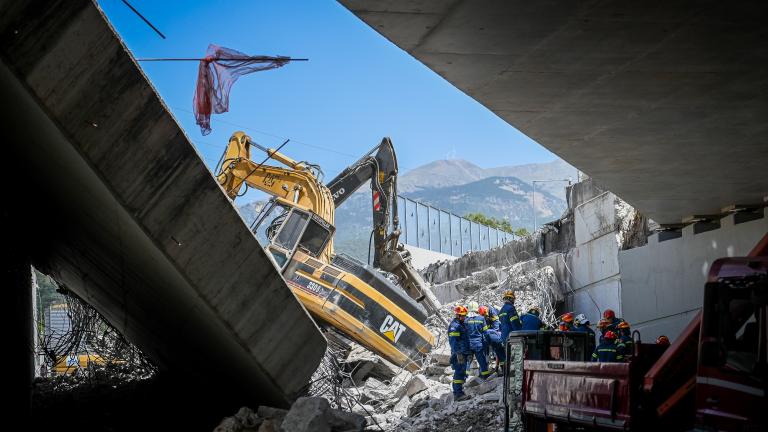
{"x": 296, "y": 229}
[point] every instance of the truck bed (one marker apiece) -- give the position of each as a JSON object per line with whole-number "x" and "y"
{"x": 592, "y": 394}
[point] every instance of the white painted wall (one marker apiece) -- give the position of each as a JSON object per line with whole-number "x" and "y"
{"x": 595, "y": 283}
{"x": 662, "y": 283}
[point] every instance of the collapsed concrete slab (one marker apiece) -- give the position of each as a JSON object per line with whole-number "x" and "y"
{"x": 117, "y": 205}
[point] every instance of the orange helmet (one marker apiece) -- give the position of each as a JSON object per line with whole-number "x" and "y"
{"x": 609, "y": 314}
{"x": 609, "y": 335}
{"x": 623, "y": 325}
{"x": 603, "y": 324}
{"x": 482, "y": 310}
{"x": 508, "y": 295}
{"x": 461, "y": 310}
{"x": 567, "y": 317}
{"x": 563, "y": 326}
{"x": 662, "y": 340}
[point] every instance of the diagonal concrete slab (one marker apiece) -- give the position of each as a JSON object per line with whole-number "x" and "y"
{"x": 107, "y": 194}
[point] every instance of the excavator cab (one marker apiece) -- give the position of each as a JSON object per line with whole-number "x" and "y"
{"x": 289, "y": 228}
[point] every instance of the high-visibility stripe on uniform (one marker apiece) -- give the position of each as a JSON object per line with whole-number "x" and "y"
{"x": 485, "y": 373}
{"x": 485, "y": 328}
{"x": 454, "y": 334}
{"x": 458, "y": 381}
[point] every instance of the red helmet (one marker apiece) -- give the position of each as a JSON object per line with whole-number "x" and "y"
{"x": 461, "y": 310}
{"x": 609, "y": 314}
{"x": 609, "y": 335}
{"x": 567, "y": 317}
{"x": 483, "y": 310}
{"x": 563, "y": 326}
{"x": 662, "y": 340}
{"x": 623, "y": 325}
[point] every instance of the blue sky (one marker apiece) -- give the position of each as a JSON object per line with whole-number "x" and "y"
{"x": 356, "y": 88}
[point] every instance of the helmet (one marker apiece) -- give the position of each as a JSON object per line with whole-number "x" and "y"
{"x": 662, "y": 340}
{"x": 567, "y": 317}
{"x": 603, "y": 323}
{"x": 623, "y": 325}
{"x": 609, "y": 314}
{"x": 508, "y": 295}
{"x": 534, "y": 311}
{"x": 581, "y": 319}
{"x": 473, "y": 306}
{"x": 563, "y": 326}
{"x": 483, "y": 310}
{"x": 609, "y": 335}
{"x": 461, "y": 310}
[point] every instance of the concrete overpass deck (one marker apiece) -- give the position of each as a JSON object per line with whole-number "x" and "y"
{"x": 663, "y": 102}
{"x": 103, "y": 191}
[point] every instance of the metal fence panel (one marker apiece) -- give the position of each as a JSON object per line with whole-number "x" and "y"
{"x": 437, "y": 230}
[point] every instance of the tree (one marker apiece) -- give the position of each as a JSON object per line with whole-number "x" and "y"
{"x": 500, "y": 224}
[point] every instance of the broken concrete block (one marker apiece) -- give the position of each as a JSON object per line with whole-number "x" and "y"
{"x": 415, "y": 385}
{"x": 245, "y": 420}
{"x": 435, "y": 370}
{"x": 417, "y": 407}
{"x": 362, "y": 364}
{"x": 308, "y": 414}
{"x": 272, "y": 413}
{"x": 401, "y": 407}
{"x": 270, "y": 425}
{"x": 441, "y": 359}
{"x": 484, "y": 387}
{"x": 491, "y": 397}
{"x": 343, "y": 421}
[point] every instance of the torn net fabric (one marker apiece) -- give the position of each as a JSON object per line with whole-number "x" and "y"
{"x": 216, "y": 74}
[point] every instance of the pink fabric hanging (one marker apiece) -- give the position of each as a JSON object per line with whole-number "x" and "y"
{"x": 217, "y": 72}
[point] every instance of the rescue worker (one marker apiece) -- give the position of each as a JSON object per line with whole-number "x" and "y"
{"x": 494, "y": 333}
{"x": 608, "y": 351}
{"x": 531, "y": 320}
{"x": 477, "y": 331}
{"x": 603, "y": 327}
{"x": 625, "y": 338}
{"x": 567, "y": 318}
{"x": 563, "y": 327}
{"x": 472, "y": 308}
{"x": 458, "y": 339}
{"x": 610, "y": 316}
{"x": 509, "y": 320}
{"x": 662, "y": 340}
{"x": 581, "y": 324}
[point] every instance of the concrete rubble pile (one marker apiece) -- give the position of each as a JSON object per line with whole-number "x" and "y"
{"x": 307, "y": 414}
{"x": 392, "y": 399}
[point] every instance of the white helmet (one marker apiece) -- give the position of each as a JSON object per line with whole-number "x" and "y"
{"x": 581, "y": 319}
{"x": 473, "y": 306}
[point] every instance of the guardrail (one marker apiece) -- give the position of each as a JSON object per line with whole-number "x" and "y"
{"x": 441, "y": 231}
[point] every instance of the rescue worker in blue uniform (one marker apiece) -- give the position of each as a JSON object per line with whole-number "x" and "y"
{"x": 608, "y": 351}
{"x": 581, "y": 324}
{"x": 458, "y": 339}
{"x": 625, "y": 338}
{"x": 494, "y": 333}
{"x": 531, "y": 320}
{"x": 477, "y": 330}
{"x": 509, "y": 320}
{"x": 610, "y": 316}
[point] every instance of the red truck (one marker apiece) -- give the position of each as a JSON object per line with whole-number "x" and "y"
{"x": 712, "y": 378}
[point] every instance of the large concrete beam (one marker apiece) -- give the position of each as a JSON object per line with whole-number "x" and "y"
{"x": 115, "y": 202}
{"x": 662, "y": 101}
